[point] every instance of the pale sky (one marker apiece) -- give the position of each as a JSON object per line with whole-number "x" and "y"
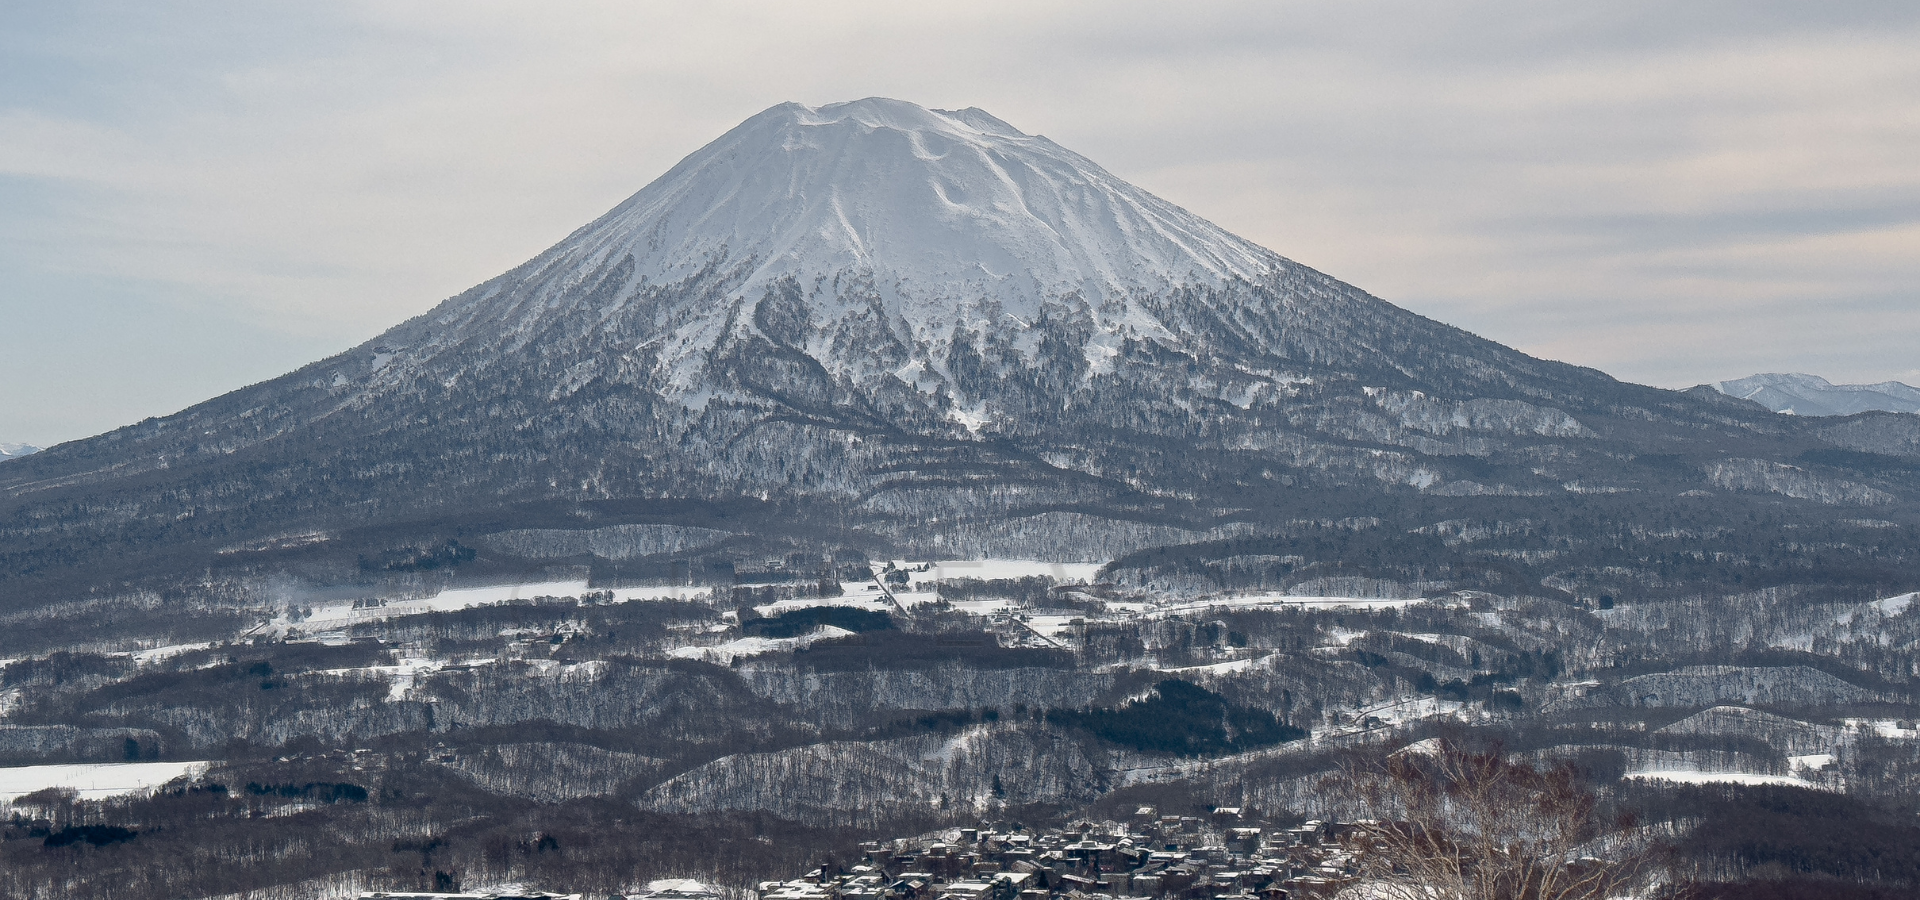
{"x": 199, "y": 195}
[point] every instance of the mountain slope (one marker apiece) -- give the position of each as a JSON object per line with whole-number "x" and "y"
{"x": 880, "y": 326}
{"x": 15, "y": 451}
{"x": 1811, "y": 395}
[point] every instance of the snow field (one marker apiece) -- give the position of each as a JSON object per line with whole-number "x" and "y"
{"x": 1886, "y": 728}
{"x": 1223, "y": 668}
{"x": 873, "y": 600}
{"x": 1253, "y": 601}
{"x": 725, "y": 654}
{"x": 1812, "y": 761}
{"x": 1006, "y": 569}
{"x": 1892, "y": 606}
{"x": 94, "y": 781}
{"x": 1682, "y": 776}
{"x": 343, "y": 614}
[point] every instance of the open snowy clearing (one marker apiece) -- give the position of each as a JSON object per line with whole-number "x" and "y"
{"x": 677, "y": 889}
{"x": 171, "y": 650}
{"x": 1887, "y": 728}
{"x": 924, "y": 577}
{"x": 1223, "y": 668}
{"x": 659, "y": 592}
{"x": 346, "y": 613}
{"x": 1005, "y": 569}
{"x": 1892, "y": 606}
{"x": 872, "y": 600}
{"x": 1811, "y": 761}
{"x": 1405, "y": 712}
{"x": 725, "y": 654}
{"x": 1270, "y": 600}
{"x": 95, "y": 781}
{"x": 401, "y": 678}
{"x": 1053, "y": 626}
{"x": 1680, "y": 776}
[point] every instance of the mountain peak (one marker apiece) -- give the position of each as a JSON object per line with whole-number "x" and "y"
{"x": 934, "y": 201}
{"x": 899, "y": 115}
{"x": 932, "y": 222}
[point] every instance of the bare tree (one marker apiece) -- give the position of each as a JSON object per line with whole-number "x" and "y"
{"x": 1447, "y": 823}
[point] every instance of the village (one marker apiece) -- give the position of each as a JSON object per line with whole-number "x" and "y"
{"x": 1216, "y": 857}
{"x": 1221, "y": 856}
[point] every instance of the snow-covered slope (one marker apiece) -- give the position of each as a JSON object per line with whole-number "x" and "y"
{"x": 934, "y": 268}
{"x": 1811, "y": 395}
{"x": 940, "y": 205}
{"x": 901, "y": 226}
{"x": 15, "y": 451}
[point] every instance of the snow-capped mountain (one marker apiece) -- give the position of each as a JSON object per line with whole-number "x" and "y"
{"x": 15, "y": 451}
{"x": 899, "y": 327}
{"x": 933, "y": 255}
{"x": 1810, "y": 395}
{"x": 941, "y": 221}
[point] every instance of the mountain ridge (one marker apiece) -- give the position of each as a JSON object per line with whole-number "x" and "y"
{"x": 1811, "y": 395}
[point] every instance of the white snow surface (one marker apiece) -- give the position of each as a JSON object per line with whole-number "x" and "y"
{"x": 1223, "y": 668}
{"x": 678, "y": 889}
{"x": 463, "y": 598}
{"x": 13, "y": 451}
{"x": 725, "y": 654}
{"x": 1688, "y": 776}
{"x": 94, "y": 781}
{"x": 1280, "y": 600}
{"x": 1886, "y": 728}
{"x": 946, "y": 219}
{"x": 167, "y": 651}
{"x": 342, "y": 614}
{"x": 1891, "y": 606}
{"x": 872, "y": 602}
{"x": 1812, "y": 761}
{"x": 1004, "y": 569}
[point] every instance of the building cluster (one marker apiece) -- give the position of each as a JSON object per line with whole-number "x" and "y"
{"x": 1217, "y": 857}
{"x": 1221, "y": 856}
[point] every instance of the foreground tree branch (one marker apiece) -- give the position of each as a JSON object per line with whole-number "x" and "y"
{"x": 1448, "y": 823}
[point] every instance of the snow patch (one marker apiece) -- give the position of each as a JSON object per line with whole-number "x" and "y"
{"x": 725, "y": 654}
{"x": 1890, "y": 607}
{"x": 94, "y": 781}
{"x": 1008, "y": 569}
{"x": 1812, "y": 761}
{"x": 1283, "y": 600}
{"x": 1224, "y": 668}
{"x": 1685, "y": 776}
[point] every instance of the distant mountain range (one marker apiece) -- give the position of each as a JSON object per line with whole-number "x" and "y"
{"x": 15, "y": 451}
{"x": 881, "y": 328}
{"x": 1810, "y": 395}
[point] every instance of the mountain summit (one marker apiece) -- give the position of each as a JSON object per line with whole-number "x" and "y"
{"x": 913, "y": 266}
{"x": 892, "y": 227}
{"x": 949, "y": 212}
{"x": 879, "y": 326}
